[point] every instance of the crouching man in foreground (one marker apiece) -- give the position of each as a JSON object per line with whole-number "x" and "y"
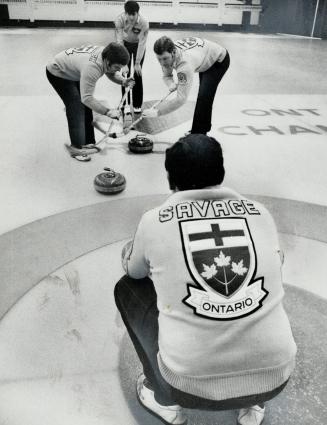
{"x": 202, "y": 298}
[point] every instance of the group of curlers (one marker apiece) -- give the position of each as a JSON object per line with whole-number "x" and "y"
{"x": 202, "y": 295}
{"x": 74, "y": 72}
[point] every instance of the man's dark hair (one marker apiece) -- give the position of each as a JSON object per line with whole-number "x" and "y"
{"x": 164, "y": 44}
{"x": 115, "y": 53}
{"x": 195, "y": 162}
{"x": 131, "y": 7}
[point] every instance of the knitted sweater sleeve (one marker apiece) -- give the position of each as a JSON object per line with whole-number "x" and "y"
{"x": 134, "y": 260}
{"x": 185, "y": 80}
{"x": 168, "y": 77}
{"x": 89, "y": 77}
{"x": 119, "y": 30}
{"x": 142, "y": 43}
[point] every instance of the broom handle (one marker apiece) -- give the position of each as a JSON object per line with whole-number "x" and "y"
{"x": 133, "y": 123}
{"x": 124, "y": 97}
{"x": 141, "y": 117}
{"x": 131, "y": 74}
{"x": 161, "y": 100}
{"x": 128, "y": 89}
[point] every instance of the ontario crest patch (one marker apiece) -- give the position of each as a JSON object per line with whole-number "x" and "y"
{"x": 221, "y": 259}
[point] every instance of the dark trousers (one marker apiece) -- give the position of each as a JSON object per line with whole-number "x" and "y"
{"x": 137, "y": 302}
{"x": 209, "y": 81}
{"x": 79, "y": 116}
{"x": 138, "y": 88}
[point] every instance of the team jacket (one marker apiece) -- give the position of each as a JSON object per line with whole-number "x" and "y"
{"x": 136, "y": 33}
{"x": 214, "y": 259}
{"x": 193, "y": 54}
{"x": 83, "y": 64}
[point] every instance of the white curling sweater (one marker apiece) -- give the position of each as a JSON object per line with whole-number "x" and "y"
{"x": 82, "y": 64}
{"x": 136, "y": 33}
{"x": 193, "y": 55}
{"x": 214, "y": 259}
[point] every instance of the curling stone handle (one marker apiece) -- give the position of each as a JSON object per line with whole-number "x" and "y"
{"x": 110, "y": 171}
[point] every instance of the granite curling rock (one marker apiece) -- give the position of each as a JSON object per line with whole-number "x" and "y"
{"x": 109, "y": 182}
{"x": 140, "y": 144}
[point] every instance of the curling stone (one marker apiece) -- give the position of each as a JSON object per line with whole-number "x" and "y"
{"x": 109, "y": 182}
{"x": 140, "y": 144}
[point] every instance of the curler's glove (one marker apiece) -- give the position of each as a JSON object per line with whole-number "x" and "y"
{"x": 113, "y": 113}
{"x": 172, "y": 87}
{"x": 128, "y": 82}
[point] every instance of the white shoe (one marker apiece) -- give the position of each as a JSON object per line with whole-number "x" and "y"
{"x": 167, "y": 414}
{"x": 137, "y": 110}
{"x": 252, "y": 416}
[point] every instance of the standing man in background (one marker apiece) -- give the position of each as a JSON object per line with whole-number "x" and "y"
{"x": 188, "y": 56}
{"x": 132, "y": 31}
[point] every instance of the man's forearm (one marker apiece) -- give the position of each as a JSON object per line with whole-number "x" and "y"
{"x": 169, "y": 81}
{"x": 94, "y": 104}
{"x": 140, "y": 50}
{"x": 119, "y": 35}
{"x": 126, "y": 252}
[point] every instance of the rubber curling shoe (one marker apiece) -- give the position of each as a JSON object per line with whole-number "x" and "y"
{"x": 167, "y": 414}
{"x": 92, "y": 148}
{"x": 85, "y": 150}
{"x": 253, "y": 415}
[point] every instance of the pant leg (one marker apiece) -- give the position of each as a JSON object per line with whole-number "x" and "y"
{"x": 88, "y": 119}
{"x": 138, "y": 87}
{"x": 123, "y": 89}
{"x": 209, "y": 81}
{"x": 75, "y": 110}
{"x": 89, "y": 129}
{"x": 190, "y": 401}
{"x": 137, "y": 302}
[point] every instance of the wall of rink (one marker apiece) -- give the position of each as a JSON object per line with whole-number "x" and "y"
{"x": 216, "y": 12}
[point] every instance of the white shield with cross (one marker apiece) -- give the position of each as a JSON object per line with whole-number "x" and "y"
{"x": 221, "y": 259}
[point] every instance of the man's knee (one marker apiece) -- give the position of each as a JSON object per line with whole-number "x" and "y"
{"x": 121, "y": 289}
{"x": 128, "y": 288}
